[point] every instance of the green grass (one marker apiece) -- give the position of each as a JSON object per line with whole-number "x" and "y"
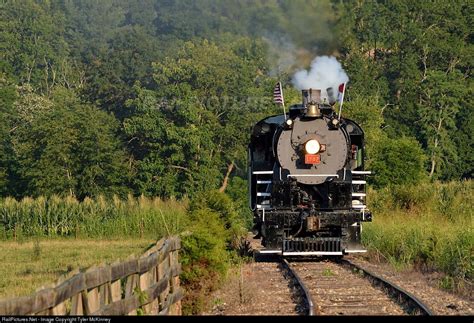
{"x": 328, "y": 272}
{"x": 428, "y": 226}
{"x": 29, "y": 265}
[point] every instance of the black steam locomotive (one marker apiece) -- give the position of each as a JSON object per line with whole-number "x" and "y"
{"x": 307, "y": 180}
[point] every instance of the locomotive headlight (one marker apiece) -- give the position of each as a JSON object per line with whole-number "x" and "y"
{"x": 312, "y": 146}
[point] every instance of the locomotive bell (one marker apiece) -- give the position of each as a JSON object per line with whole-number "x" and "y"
{"x": 313, "y": 110}
{"x": 311, "y": 100}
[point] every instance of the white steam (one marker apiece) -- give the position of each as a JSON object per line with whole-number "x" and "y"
{"x": 325, "y": 72}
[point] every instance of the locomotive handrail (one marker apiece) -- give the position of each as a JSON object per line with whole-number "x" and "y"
{"x": 262, "y": 172}
{"x": 361, "y": 172}
{"x": 320, "y": 175}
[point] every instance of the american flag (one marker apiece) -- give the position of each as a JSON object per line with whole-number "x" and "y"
{"x": 278, "y": 94}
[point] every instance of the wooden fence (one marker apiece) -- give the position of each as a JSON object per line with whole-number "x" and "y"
{"x": 146, "y": 285}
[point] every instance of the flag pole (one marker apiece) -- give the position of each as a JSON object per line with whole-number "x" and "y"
{"x": 342, "y": 100}
{"x": 282, "y": 101}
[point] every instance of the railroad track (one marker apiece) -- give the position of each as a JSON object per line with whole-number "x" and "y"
{"x": 344, "y": 288}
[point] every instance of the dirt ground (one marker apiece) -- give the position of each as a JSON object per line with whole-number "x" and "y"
{"x": 259, "y": 288}
{"x": 423, "y": 286}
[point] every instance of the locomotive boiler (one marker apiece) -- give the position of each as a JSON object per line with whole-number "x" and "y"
{"x": 307, "y": 180}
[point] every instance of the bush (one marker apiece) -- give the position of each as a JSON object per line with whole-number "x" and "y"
{"x": 204, "y": 258}
{"x": 208, "y": 247}
{"x": 238, "y": 192}
{"x": 397, "y": 162}
{"x": 226, "y": 210}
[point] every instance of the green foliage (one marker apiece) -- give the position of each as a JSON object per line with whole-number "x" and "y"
{"x": 442, "y": 99}
{"x": 204, "y": 250}
{"x": 186, "y": 19}
{"x": 238, "y": 192}
{"x": 7, "y": 113}
{"x": 32, "y": 41}
{"x": 186, "y": 80}
{"x": 225, "y": 208}
{"x": 367, "y": 112}
{"x": 198, "y": 109}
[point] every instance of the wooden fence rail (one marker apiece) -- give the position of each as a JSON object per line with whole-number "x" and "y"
{"x": 146, "y": 285}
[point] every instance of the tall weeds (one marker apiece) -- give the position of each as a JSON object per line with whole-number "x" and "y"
{"x": 429, "y": 226}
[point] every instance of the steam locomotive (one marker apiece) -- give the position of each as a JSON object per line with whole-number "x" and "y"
{"x": 307, "y": 180}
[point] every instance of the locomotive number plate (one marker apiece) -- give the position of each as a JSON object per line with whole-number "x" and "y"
{"x": 312, "y": 159}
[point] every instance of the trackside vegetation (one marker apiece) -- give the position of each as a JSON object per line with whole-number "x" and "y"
{"x": 427, "y": 226}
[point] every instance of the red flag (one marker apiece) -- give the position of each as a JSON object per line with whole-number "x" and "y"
{"x": 341, "y": 87}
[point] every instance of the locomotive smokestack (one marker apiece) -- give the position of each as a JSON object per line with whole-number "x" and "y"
{"x": 311, "y": 95}
{"x": 331, "y": 98}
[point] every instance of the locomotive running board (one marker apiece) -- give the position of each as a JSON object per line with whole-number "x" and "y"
{"x": 270, "y": 252}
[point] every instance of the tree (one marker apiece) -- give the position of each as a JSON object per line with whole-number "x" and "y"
{"x": 438, "y": 108}
{"x": 398, "y": 161}
{"x": 464, "y": 141}
{"x": 191, "y": 131}
{"x": 7, "y": 113}
{"x": 112, "y": 74}
{"x": 416, "y": 56}
{"x": 32, "y": 43}
{"x": 68, "y": 148}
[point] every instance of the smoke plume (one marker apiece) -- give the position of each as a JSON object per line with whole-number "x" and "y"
{"x": 325, "y": 72}
{"x": 281, "y": 54}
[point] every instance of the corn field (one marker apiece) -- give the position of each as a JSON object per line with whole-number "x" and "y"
{"x": 100, "y": 217}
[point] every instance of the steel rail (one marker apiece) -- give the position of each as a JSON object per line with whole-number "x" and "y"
{"x": 407, "y": 296}
{"x": 308, "y": 297}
